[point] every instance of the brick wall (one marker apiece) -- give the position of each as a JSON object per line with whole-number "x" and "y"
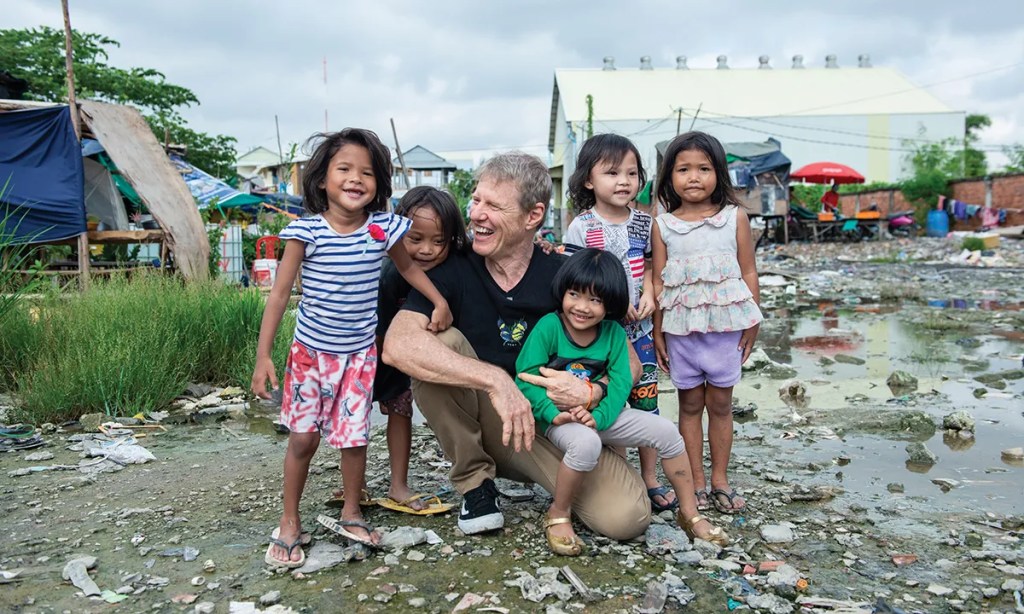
{"x": 1007, "y": 193}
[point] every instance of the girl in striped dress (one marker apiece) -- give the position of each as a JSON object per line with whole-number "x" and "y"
{"x": 328, "y": 381}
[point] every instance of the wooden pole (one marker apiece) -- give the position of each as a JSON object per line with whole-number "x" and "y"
{"x": 401, "y": 160}
{"x": 83, "y": 239}
{"x": 699, "y": 107}
{"x": 280, "y": 152}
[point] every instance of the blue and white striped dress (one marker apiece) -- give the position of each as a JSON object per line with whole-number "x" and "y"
{"x": 340, "y": 277}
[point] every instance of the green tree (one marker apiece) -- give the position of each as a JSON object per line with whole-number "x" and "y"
{"x": 461, "y": 187}
{"x": 1015, "y": 153}
{"x": 974, "y": 162}
{"x": 37, "y": 56}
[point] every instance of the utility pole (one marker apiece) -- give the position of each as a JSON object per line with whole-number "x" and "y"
{"x": 83, "y": 238}
{"x": 401, "y": 160}
{"x": 280, "y": 152}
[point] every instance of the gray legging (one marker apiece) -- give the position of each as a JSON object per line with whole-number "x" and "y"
{"x": 633, "y": 428}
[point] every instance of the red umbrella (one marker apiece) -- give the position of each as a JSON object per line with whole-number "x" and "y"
{"x": 827, "y": 172}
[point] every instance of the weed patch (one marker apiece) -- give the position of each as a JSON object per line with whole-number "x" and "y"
{"x": 127, "y": 346}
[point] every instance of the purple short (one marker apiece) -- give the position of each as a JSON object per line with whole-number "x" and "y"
{"x": 699, "y": 357}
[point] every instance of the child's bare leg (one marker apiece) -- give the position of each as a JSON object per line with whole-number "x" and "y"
{"x": 567, "y": 483}
{"x": 691, "y": 414}
{"x": 677, "y": 470}
{"x": 649, "y": 471}
{"x": 719, "y": 403}
{"x": 399, "y": 450}
{"x": 353, "y": 478}
{"x": 301, "y": 448}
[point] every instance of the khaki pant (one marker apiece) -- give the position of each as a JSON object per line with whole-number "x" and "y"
{"x": 612, "y": 500}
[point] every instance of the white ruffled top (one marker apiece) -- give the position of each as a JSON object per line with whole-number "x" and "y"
{"x": 704, "y": 291}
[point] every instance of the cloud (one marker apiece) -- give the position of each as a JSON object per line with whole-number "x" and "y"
{"x": 471, "y": 75}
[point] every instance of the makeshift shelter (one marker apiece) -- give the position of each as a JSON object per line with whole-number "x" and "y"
{"x": 52, "y": 180}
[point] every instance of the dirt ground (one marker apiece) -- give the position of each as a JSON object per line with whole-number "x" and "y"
{"x": 833, "y": 470}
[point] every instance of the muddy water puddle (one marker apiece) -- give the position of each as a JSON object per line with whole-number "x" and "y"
{"x": 844, "y": 354}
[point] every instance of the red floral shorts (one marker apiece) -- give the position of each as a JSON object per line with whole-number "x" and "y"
{"x": 329, "y": 394}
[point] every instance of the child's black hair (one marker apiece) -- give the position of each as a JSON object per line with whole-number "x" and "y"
{"x": 443, "y": 204}
{"x": 608, "y": 148}
{"x": 599, "y": 273}
{"x": 315, "y": 173}
{"x": 710, "y": 147}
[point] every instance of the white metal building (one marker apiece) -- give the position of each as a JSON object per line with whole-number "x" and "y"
{"x": 859, "y": 116}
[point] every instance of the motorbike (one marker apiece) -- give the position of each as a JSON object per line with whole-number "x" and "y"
{"x": 902, "y": 224}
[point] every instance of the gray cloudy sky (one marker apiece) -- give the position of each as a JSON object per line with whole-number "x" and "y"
{"x": 467, "y": 75}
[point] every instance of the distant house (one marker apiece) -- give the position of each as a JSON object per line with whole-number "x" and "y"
{"x": 422, "y": 167}
{"x": 261, "y": 169}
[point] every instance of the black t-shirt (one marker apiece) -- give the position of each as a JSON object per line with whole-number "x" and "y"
{"x": 389, "y": 381}
{"x": 494, "y": 322}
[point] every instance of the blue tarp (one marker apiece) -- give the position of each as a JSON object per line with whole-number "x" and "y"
{"x": 42, "y": 194}
{"x": 208, "y": 190}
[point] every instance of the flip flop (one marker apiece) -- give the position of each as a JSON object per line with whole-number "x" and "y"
{"x": 338, "y": 526}
{"x": 304, "y": 537}
{"x": 269, "y": 559}
{"x": 339, "y": 502}
{"x": 703, "y": 500}
{"x": 732, "y": 509}
{"x": 434, "y": 505}
{"x": 661, "y": 491}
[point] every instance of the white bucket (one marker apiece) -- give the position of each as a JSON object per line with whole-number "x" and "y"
{"x": 264, "y": 271}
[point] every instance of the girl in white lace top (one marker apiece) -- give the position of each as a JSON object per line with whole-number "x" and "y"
{"x": 707, "y": 318}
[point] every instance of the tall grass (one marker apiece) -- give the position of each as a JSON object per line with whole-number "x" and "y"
{"x": 127, "y": 346}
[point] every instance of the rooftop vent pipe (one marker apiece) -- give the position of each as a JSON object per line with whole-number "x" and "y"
{"x": 645, "y": 63}
{"x": 762, "y": 62}
{"x": 830, "y": 61}
{"x": 681, "y": 63}
{"x": 864, "y": 61}
{"x": 609, "y": 63}
{"x": 798, "y": 61}
{"x": 722, "y": 62}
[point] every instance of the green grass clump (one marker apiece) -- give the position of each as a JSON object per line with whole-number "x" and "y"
{"x": 127, "y": 346}
{"x": 973, "y": 244}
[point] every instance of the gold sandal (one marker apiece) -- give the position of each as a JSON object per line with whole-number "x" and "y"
{"x": 565, "y": 546}
{"x": 716, "y": 535}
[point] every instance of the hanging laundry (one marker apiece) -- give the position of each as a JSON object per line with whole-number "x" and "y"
{"x": 1002, "y": 216}
{"x": 959, "y": 209}
{"x": 989, "y": 217}
{"x": 972, "y": 210}
{"x": 942, "y": 203}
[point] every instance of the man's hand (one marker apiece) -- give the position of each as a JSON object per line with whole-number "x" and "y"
{"x": 563, "y": 388}
{"x": 747, "y": 340}
{"x": 516, "y": 415}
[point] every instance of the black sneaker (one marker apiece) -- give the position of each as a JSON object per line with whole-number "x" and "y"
{"x": 480, "y": 511}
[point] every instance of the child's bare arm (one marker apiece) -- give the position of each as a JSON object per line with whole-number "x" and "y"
{"x": 277, "y": 302}
{"x": 441, "y": 318}
{"x": 748, "y": 269}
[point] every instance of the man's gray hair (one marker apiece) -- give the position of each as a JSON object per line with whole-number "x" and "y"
{"x": 526, "y": 172}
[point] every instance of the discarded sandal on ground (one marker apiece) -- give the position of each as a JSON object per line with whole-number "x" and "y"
{"x": 434, "y": 505}
{"x": 663, "y": 492}
{"x": 339, "y": 502}
{"x": 564, "y": 546}
{"x": 338, "y": 526}
{"x": 269, "y": 559}
{"x": 729, "y": 496}
{"x": 304, "y": 538}
{"x": 715, "y": 535}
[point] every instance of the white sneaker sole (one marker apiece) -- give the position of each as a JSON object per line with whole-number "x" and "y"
{"x": 482, "y": 524}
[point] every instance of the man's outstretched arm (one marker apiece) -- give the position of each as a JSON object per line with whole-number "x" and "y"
{"x": 417, "y": 352}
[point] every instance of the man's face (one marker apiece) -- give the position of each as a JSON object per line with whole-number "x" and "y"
{"x": 498, "y": 222}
